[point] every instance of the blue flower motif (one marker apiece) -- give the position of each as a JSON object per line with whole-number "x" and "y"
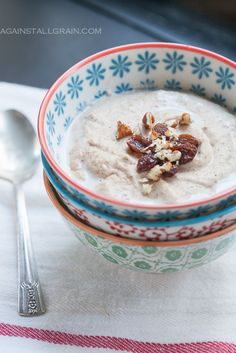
{"x": 100, "y": 94}
{"x": 83, "y": 198}
{"x": 174, "y": 62}
{"x": 59, "y": 140}
{"x": 168, "y": 216}
{"x": 226, "y": 202}
{"x": 173, "y": 85}
{"x": 120, "y": 66}
{"x": 68, "y": 122}
{"x": 51, "y": 123}
{"x": 225, "y": 78}
{"x": 201, "y": 210}
{"x": 75, "y": 86}
{"x": 104, "y": 207}
{"x": 50, "y": 144}
{"x": 134, "y": 214}
{"x": 123, "y": 87}
{"x": 148, "y": 84}
{"x": 147, "y": 61}
{"x": 201, "y": 67}
{"x": 95, "y": 74}
{"x": 219, "y": 99}
{"x": 197, "y": 89}
{"x": 81, "y": 107}
{"x": 59, "y": 103}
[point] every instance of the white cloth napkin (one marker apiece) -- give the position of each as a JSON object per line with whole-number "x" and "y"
{"x": 96, "y": 306}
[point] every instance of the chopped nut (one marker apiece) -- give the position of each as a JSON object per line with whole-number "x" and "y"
{"x": 166, "y": 167}
{"x": 155, "y": 173}
{"x": 168, "y": 133}
{"x": 148, "y": 120}
{"x": 169, "y": 155}
{"x": 175, "y": 156}
{"x": 161, "y": 144}
{"x": 173, "y": 133}
{"x": 143, "y": 180}
{"x": 185, "y": 119}
{"x": 172, "y": 123}
{"x": 123, "y": 130}
{"x": 146, "y": 188}
{"x": 153, "y": 135}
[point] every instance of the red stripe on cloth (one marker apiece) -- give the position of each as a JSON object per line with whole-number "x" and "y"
{"x": 115, "y": 343}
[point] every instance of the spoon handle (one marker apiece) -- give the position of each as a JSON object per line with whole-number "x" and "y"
{"x": 30, "y": 300}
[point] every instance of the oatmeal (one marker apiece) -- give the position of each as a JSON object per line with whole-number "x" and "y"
{"x": 104, "y": 148}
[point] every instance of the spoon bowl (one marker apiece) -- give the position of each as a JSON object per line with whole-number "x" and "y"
{"x": 19, "y": 149}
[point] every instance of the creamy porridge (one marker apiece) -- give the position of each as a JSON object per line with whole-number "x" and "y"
{"x": 105, "y": 165}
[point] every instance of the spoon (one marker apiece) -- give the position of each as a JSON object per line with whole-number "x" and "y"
{"x": 19, "y": 158}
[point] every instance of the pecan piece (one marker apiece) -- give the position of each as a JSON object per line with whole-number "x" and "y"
{"x": 123, "y": 130}
{"x": 172, "y": 123}
{"x": 185, "y": 119}
{"x": 169, "y": 155}
{"x": 146, "y": 162}
{"x": 146, "y": 189}
{"x": 138, "y": 142}
{"x": 155, "y": 173}
{"x": 148, "y": 120}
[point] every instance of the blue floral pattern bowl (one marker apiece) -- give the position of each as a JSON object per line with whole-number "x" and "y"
{"x": 145, "y": 256}
{"x": 122, "y": 69}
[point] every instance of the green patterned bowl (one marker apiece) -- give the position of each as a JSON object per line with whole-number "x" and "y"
{"x": 146, "y": 256}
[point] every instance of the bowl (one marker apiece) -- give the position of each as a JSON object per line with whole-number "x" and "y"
{"x": 149, "y": 230}
{"x": 146, "y": 256}
{"x": 167, "y": 66}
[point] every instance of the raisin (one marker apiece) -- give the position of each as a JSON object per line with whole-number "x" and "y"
{"x": 146, "y": 162}
{"x": 160, "y": 129}
{"x": 172, "y": 172}
{"x": 138, "y": 142}
{"x": 189, "y": 138}
{"x": 188, "y": 150}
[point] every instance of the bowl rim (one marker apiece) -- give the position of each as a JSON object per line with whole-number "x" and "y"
{"x": 116, "y": 239}
{"x": 89, "y": 59}
{"x": 150, "y": 223}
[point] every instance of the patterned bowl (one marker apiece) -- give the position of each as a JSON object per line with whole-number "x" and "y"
{"x": 152, "y": 230}
{"x": 152, "y": 257}
{"x": 123, "y": 69}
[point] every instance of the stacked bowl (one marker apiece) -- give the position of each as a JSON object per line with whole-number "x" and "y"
{"x": 151, "y": 238}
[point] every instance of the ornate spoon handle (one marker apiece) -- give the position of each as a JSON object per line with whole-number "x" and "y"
{"x": 30, "y": 300}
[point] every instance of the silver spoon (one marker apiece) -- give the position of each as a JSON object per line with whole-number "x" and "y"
{"x": 19, "y": 157}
